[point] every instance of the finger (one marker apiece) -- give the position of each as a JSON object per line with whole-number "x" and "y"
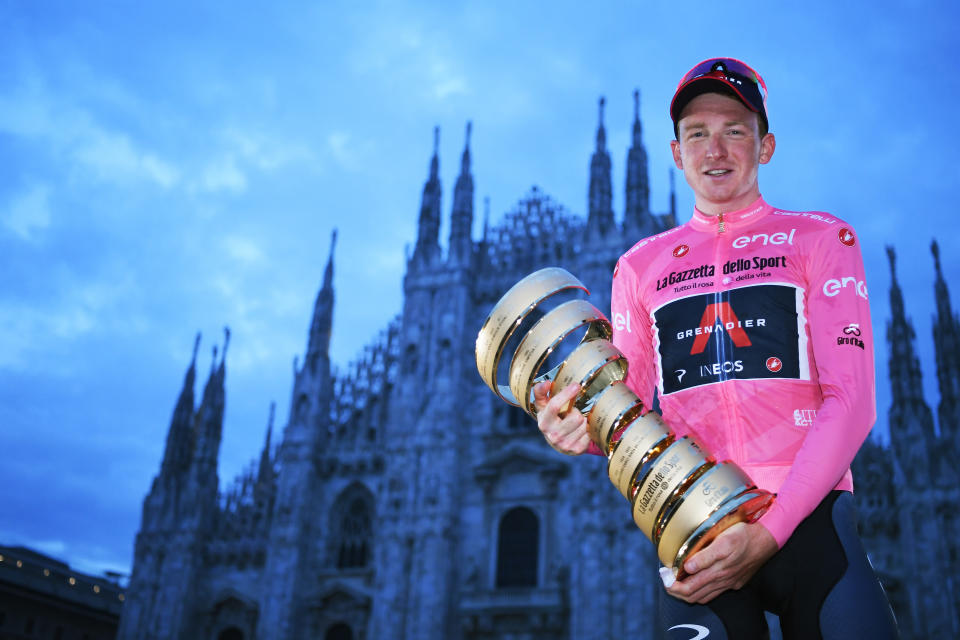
{"x": 677, "y": 591}
{"x": 571, "y": 426}
{"x": 706, "y": 595}
{"x": 563, "y": 400}
{"x": 573, "y": 420}
{"x": 696, "y": 562}
{"x": 693, "y": 584}
{"x": 565, "y": 433}
{"x": 689, "y": 593}
{"x": 713, "y": 553}
{"x": 576, "y": 441}
{"x": 583, "y": 441}
{"x": 541, "y": 394}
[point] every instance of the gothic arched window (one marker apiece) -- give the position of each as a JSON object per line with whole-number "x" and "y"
{"x": 518, "y": 548}
{"x": 352, "y": 528}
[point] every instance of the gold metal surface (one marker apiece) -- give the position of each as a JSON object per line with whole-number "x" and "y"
{"x": 593, "y": 365}
{"x": 616, "y": 405}
{"x": 669, "y": 471}
{"x": 515, "y": 305}
{"x": 722, "y": 482}
{"x": 544, "y": 337}
{"x": 637, "y": 445}
{"x": 746, "y": 507}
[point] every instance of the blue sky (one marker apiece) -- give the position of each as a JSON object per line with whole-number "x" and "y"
{"x": 171, "y": 168}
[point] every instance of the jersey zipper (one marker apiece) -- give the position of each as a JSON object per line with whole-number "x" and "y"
{"x": 728, "y": 393}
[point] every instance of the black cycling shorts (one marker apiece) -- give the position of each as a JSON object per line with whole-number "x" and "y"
{"x": 820, "y": 584}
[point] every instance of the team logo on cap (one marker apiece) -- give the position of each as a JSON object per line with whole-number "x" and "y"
{"x": 680, "y": 250}
{"x": 774, "y": 364}
{"x": 846, "y": 237}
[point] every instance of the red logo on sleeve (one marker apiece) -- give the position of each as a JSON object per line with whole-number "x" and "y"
{"x": 846, "y": 237}
{"x": 774, "y": 364}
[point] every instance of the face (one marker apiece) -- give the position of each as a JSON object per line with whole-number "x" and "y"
{"x": 719, "y": 151}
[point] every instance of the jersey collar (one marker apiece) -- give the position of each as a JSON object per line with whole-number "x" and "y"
{"x": 733, "y": 219}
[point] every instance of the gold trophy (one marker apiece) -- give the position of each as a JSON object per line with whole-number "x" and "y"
{"x": 681, "y": 497}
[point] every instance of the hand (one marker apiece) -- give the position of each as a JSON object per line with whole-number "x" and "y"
{"x": 563, "y": 426}
{"x": 726, "y": 563}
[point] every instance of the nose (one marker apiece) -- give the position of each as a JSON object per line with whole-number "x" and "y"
{"x": 715, "y": 147}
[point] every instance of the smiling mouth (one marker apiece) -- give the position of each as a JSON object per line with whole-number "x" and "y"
{"x": 717, "y": 172}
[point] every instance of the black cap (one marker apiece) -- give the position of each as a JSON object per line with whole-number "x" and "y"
{"x": 726, "y": 76}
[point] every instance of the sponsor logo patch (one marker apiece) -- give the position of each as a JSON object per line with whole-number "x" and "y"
{"x": 719, "y": 317}
{"x": 851, "y": 336}
{"x": 754, "y": 264}
{"x": 751, "y": 268}
{"x": 712, "y": 337}
{"x": 701, "y": 632}
{"x": 846, "y": 237}
{"x": 834, "y": 286}
{"x": 763, "y": 239}
{"x": 676, "y": 277}
{"x": 806, "y": 214}
{"x": 803, "y": 417}
{"x": 621, "y": 322}
{"x": 680, "y": 250}
{"x": 720, "y": 368}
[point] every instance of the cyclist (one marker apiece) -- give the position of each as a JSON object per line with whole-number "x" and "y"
{"x": 752, "y": 325}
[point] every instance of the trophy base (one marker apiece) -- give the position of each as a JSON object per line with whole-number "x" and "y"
{"x": 746, "y": 508}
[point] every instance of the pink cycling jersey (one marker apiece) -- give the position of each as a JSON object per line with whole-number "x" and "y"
{"x": 755, "y": 330}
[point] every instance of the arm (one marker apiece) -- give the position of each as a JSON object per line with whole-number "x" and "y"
{"x": 566, "y": 430}
{"x": 836, "y": 301}
{"x": 563, "y": 427}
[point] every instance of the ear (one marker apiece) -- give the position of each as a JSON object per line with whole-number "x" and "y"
{"x": 767, "y": 146}
{"x": 675, "y": 148}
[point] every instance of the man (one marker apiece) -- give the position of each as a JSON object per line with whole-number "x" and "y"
{"x": 752, "y": 323}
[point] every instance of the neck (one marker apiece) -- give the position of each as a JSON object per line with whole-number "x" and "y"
{"x": 712, "y": 208}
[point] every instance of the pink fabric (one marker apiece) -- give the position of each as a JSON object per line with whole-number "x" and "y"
{"x": 758, "y": 340}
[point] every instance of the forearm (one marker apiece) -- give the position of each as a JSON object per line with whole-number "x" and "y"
{"x": 841, "y": 426}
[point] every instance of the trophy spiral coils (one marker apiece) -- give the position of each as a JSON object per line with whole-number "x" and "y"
{"x": 681, "y": 497}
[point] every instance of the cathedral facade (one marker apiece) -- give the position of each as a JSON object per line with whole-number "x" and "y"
{"x": 385, "y": 513}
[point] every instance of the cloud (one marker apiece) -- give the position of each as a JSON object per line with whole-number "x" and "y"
{"x": 449, "y": 86}
{"x": 33, "y": 333}
{"x": 338, "y": 142}
{"x": 29, "y": 213}
{"x": 22, "y": 326}
{"x": 100, "y": 151}
{"x": 223, "y": 175}
{"x": 242, "y": 249}
{"x": 113, "y": 157}
{"x": 267, "y": 153}
{"x": 446, "y": 81}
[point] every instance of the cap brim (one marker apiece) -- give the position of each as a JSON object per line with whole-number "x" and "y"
{"x": 705, "y": 84}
